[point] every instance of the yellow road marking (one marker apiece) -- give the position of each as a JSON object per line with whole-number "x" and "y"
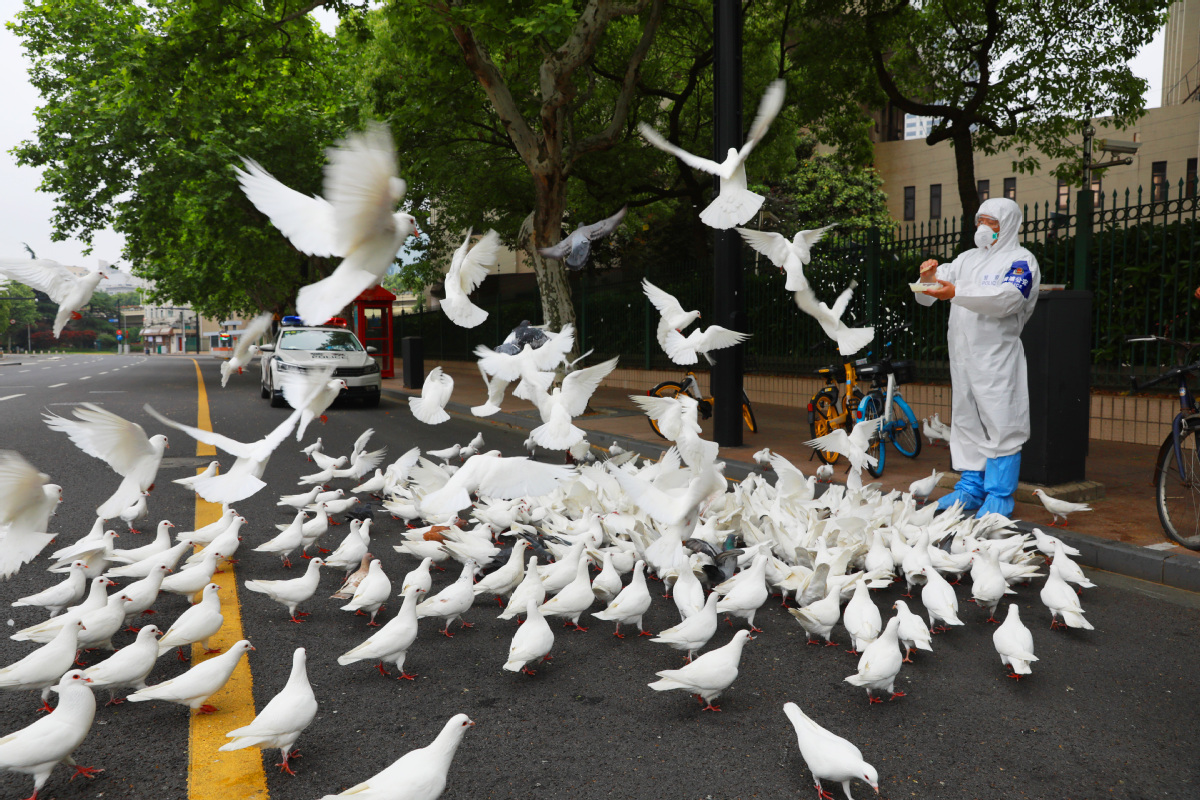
{"x": 213, "y": 775}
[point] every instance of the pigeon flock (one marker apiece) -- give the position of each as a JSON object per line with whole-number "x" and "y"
{"x": 531, "y": 547}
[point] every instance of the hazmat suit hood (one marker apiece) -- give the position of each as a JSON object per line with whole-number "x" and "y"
{"x": 1009, "y": 215}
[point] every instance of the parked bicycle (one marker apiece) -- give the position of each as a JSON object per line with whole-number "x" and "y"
{"x": 833, "y": 405}
{"x": 899, "y": 424}
{"x": 1177, "y": 467}
{"x": 704, "y": 405}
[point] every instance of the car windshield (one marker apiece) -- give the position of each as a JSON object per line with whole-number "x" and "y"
{"x": 319, "y": 340}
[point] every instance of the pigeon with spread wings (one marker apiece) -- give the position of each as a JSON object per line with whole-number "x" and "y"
{"x": 355, "y": 219}
{"x": 734, "y": 204}
{"x": 27, "y": 499}
{"x": 576, "y": 248}
{"x": 560, "y": 406}
{"x": 790, "y": 256}
{"x": 849, "y": 340}
{"x": 467, "y": 270}
{"x": 72, "y": 292}
{"x": 244, "y": 478}
{"x": 246, "y": 347}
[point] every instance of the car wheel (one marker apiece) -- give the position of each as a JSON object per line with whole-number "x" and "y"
{"x": 264, "y": 391}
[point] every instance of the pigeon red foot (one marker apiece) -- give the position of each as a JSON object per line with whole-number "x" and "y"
{"x": 76, "y": 315}
{"x": 575, "y": 625}
{"x": 528, "y": 671}
{"x": 896, "y": 694}
{"x": 404, "y": 676}
{"x": 87, "y": 772}
{"x": 823, "y": 794}
{"x": 645, "y": 633}
{"x": 1015, "y": 675}
{"x": 116, "y": 701}
{"x": 209, "y": 651}
{"x": 206, "y": 709}
{"x": 873, "y": 699}
{"x": 382, "y": 671}
{"x": 46, "y": 708}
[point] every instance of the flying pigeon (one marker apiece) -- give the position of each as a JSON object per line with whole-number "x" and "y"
{"x": 27, "y": 499}
{"x": 735, "y": 204}
{"x": 246, "y": 348}
{"x": 577, "y": 247}
{"x": 467, "y": 270}
{"x": 72, "y": 292}
{"x": 790, "y": 256}
{"x": 355, "y": 219}
{"x": 849, "y": 340}
{"x": 430, "y": 407}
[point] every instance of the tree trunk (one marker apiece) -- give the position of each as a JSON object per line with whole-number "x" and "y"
{"x": 968, "y": 191}
{"x": 550, "y": 203}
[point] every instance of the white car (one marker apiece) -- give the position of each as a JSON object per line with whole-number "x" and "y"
{"x": 299, "y": 347}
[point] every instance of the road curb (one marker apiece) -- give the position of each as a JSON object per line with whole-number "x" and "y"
{"x": 1158, "y": 566}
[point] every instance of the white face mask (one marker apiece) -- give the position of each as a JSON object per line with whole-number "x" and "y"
{"x": 985, "y": 237}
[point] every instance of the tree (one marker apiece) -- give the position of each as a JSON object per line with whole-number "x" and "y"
{"x": 825, "y": 190}
{"x": 147, "y": 106}
{"x": 994, "y": 74}
{"x": 17, "y": 307}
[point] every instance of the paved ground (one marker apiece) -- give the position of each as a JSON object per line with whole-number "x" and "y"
{"x": 1107, "y": 713}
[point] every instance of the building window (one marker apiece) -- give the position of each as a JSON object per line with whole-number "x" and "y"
{"x": 935, "y": 201}
{"x": 1158, "y": 182}
{"x": 1064, "y": 197}
{"x": 1010, "y": 188}
{"x": 1190, "y": 179}
{"x": 985, "y": 190}
{"x": 910, "y": 203}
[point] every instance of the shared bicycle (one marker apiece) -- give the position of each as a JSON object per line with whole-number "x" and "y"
{"x": 704, "y": 404}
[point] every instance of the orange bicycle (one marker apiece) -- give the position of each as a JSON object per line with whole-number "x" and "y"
{"x": 830, "y": 409}
{"x": 691, "y": 387}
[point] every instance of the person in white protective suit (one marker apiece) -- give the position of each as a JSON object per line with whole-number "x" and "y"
{"x": 992, "y": 291}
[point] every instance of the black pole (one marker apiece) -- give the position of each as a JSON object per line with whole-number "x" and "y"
{"x": 728, "y": 305}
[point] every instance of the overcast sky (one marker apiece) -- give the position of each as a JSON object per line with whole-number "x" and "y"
{"x": 25, "y": 213}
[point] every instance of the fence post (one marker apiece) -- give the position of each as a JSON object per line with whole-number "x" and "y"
{"x": 647, "y": 337}
{"x": 873, "y": 276}
{"x": 1083, "y": 238}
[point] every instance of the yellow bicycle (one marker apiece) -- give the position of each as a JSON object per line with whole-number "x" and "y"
{"x": 691, "y": 387}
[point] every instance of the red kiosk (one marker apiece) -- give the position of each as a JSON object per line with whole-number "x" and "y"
{"x": 373, "y": 324}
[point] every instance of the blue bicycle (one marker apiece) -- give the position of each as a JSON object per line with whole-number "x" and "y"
{"x": 899, "y": 424}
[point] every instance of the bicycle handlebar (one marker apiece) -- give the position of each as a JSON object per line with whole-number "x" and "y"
{"x": 1170, "y": 374}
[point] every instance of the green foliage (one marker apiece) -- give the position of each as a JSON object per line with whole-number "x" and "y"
{"x": 17, "y": 306}
{"x": 824, "y": 190}
{"x": 145, "y": 109}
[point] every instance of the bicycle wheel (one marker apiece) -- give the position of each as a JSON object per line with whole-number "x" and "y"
{"x": 904, "y": 431}
{"x": 871, "y": 407}
{"x": 1178, "y": 495}
{"x": 664, "y": 389}
{"x": 824, "y": 404}
{"x": 748, "y": 414}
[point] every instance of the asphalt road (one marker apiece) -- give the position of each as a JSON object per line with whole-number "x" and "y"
{"x": 1107, "y": 713}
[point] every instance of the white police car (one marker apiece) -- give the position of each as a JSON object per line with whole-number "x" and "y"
{"x": 300, "y": 346}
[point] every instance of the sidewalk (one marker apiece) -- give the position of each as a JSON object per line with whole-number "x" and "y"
{"x": 1122, "y": 534}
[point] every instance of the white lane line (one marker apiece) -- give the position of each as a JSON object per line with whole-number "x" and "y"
{"x": 22, "y": 370}
{"x": 55, "y": 385}
{"x": 104, "y": 373}
{"x": 10, "y": 397}
{"x": 86, "y": 378}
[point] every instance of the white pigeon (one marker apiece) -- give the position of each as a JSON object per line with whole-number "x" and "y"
{"x": 880, "y": 663}
{"x": 528, "y": 361}
{"x": 291, "y": 593}
{"x": 418, "y": 578}
{"x": 430, "y": 407}
{"x": 631, "y": 604}
{"x": 939, "y": 600}
{"x": 923, "y": 487}
{"x": 671, "y": 316}
{"x": 140, "y": 569}
{"x": 1058, "y": 596}
{"x": 790, "y": 256}
{"x": 468, "y": 268}
{"x": 244, "y": 478}
{"x": 824, "y": 473}
{"x": 190, "y": 580}
{"x": 371, "y": 593}
{"x": 283, "y": 718}
{"x": 38, "y": 748}
{"x": 684, "y": 349}
{"x": 42, "y": 668}
{"x": 1046, "y": 544}
{"x": 708, "y": 675}
{"x": 502, "y": 581}
{"x": 560, "y": 406}
{"x": 531, "y": 588}
{"x": 678, "y": 419}
{"x": 139, "y": 509}
{"x": 199, "y": 683}
{"x": 453, "y": 601}
{"x": 417, "y": 775}
{"x": 206, "y": 533}
{"x": 61, "y": 595}
{"x": 1014, "y": 643}
{"x": 390, "y": 642}
{"x": 988, "y": 585}
{"x": 496, "y": 387}
{"x": 497, "y": 477}
{"x": 64, "y": 286}
{"x": 735, "y": 204}
{"x": 101, "y": 625}
{"x": 1059, "y": 509}
{"x": 819, "y": 617}
{"x": 533, "y": 641}
{"x": 197, "y": 624}
{"x": 607, "y": 584}
{"x": 226, "y": 543}
{"x": 913, "y": 632}
{"x": 286, "y": 541}
{"x": 828, "y": 756}
{"x": 849, "y": 340}
{"x": 161, "y": 543}
{"x": 694, "y": 632}
{"x": 942, "y": 429}
{"x": 310, "y": 391}
{"x": 763, "y": 458}
{"x": 127, "y": 668}
{"x": 121, "y": 444}
{"x": 472, "y": 447}
{"x": 246, "y": 349}
{"x": 1068, "y": 569}
{"x": 313, "y": 448}
{"x": 347, "y": 555}
{"x": 96, "y": 554}
{"x": 862, "y": 618}
{"x": 853, "y": 445}
{"x": 573, "y": 599}
{"x": 575, "y": 248}
{"x": 355, "y": 220}
{"x": 43, "y": 632}
{"x": 143, "y": 593}
{"x": 747, "y": 592}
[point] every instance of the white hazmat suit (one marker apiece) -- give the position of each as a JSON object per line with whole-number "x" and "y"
{"x": 995, "y": 291}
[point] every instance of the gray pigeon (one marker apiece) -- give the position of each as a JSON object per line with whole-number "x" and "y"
{"x": 578, "y": 246}
{"x": 523, "y": 334}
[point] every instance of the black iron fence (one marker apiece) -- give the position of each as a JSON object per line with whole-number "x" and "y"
{"x": 1142, "y": 258}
